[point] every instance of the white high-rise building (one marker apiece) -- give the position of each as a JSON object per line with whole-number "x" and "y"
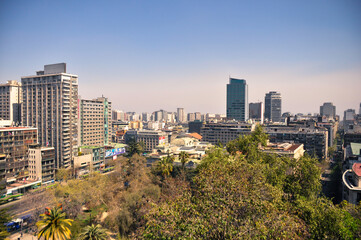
{"x": 10, "y": 102}
{"x": 50, "y": 104}
{"x": 181, "y": 116}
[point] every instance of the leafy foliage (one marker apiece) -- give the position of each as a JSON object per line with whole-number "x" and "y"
{"x": 4, "y": 218}
{"x": 54, "y": 225}
{"x": 184, "y": 158}
{"x": 93, "y": 232}
{"x": 243, "y": 193}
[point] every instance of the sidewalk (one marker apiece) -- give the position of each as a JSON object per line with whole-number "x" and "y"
{"x": 25, "y": 236}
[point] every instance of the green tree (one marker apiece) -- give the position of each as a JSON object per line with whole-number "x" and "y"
{"x": 4, "y": 218}
{"x": 93, "y": 232}
{"x": 184, "y": 158}
{"x": 166, "y": 165}
{"x": 135, "y": 147}
{"x": 54, "y": 225}
{"x": 63, "y": 174}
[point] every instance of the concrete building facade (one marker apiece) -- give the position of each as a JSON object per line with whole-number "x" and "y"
{"x": 328, "y": 110}
{"x": 225, "y": 132}
{"x": 150, "y": 139}
{"x": 95, "y": 122}
{"x": 256, "y": 111}
{"x": 181, "y": 116}
{"x": 237, "y": 99}
{"x": 50, "y": 104}
{"x": 41, "y": 163}
{"x": 273, "y": 107}
{"x": 315, "y": 140}
{"x": 10, "y": 102}
{"x": 14, "y": 145}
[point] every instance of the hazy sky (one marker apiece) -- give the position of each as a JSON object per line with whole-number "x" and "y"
{"x": 147, "y": 55}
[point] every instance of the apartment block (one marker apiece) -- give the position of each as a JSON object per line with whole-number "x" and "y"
{"x": 14, "y": 145}
{"x": 10, "y": 102}
{"x": 41, "y": 163}
{"x": 50, "y": 104}
{"x": 95, "y": 122}
{"x": 314, "y": 139}
{"x": 225, "y": 132}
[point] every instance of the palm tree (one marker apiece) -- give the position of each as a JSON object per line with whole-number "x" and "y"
{"x": 93, "y": 233}
{"x": 54, "y": 225}
{"x": 166, "y": 165}
{"x": 183, "y": 156}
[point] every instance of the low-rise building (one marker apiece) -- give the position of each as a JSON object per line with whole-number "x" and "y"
{"x": 314, "y": 139}
{"x": 352, "y": 184}
{"x": 291, "y": 150}
{"x": 98, "y": 155}
{"x": 150, "y": 139}
{"x": 41, "y": 163}
{"x": 225, "y": 132}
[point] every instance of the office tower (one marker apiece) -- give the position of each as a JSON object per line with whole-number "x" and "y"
{"x": 273, "y": 107}
{"x": 118, "y": 115}
{"x": 359, "y": 111}
{"x": 349, "y": 115}
{"x": 198, "y": 116}
{"x": 10, "y": 102}
{"x": 256, "y": 111}
{"x": 237, "y": 99}
{"x": 146, "y": 117}
{"x": 50, "y": 104}
{"x": 95, "y": 122}
{"x": 191, "y": 117}
{"x": 14, "y": 145}
{"x": 181, "y": 116}
{"x": 328, "y": 110}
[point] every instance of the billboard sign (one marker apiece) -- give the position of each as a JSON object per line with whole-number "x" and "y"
{"x": 114, "y": 152}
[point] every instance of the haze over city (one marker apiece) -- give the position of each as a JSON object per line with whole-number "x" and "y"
{"x": 149, "y": 55}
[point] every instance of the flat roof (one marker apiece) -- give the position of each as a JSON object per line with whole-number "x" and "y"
{"x": 355, "y": 147}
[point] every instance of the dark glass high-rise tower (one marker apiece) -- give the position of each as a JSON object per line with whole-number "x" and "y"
{"x": 273, "y": 107}
{"x": 237, "y": 99}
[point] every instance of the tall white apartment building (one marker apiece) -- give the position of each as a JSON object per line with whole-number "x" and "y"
{"x": 95, "y": 122}
{"x": 10, "y": 102}
{"x": 181, "y": 116}
{"x": 50, "y": 104}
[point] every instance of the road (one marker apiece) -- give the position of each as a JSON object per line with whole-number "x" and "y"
{"x": 29, "y": 204}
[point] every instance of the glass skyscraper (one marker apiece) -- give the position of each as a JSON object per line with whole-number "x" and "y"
{"x": 273, "y": 107}
{"x": 237, "y": 99}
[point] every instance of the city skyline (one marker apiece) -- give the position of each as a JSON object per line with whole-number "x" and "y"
{"x": 163, "y": 55}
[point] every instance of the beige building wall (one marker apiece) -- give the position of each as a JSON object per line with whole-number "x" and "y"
{"x": 50, "y": 104}
{"x": 41, "y": 163}
{"x": 95, "y": 122}
{"x": 10, "y": 101}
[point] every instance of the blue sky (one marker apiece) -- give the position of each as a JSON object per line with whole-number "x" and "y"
{"x": 147, "y": 55}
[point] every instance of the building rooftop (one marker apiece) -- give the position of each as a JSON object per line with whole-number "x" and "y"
{"x": 195, "y": 135}
{"x": 356, "y": 148}
{"x": 90, "y": 147}
{"x": 356, "y": 168}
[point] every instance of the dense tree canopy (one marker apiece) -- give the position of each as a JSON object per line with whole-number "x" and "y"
{"x": 237, "y": 192}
